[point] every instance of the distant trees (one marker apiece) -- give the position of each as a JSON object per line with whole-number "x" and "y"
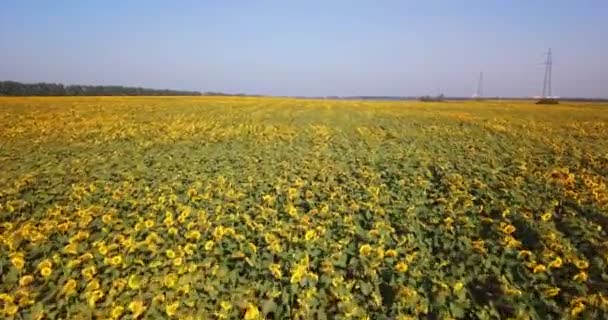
{"x": 13, "y": 88}
{"x": 437, "y": 98}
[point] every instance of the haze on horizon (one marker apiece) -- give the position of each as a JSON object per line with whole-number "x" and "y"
{"x": 309, "y": 48}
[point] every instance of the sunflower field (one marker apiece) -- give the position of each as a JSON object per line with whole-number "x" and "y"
{"x": 276, "y": 208}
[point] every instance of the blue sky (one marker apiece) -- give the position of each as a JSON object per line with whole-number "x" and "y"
{"x": 310, "y": 47}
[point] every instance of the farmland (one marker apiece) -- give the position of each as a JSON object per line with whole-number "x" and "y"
{"x": 222, "y": 208}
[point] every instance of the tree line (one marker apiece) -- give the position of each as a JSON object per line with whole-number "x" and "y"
{"x": 13, "y": 88}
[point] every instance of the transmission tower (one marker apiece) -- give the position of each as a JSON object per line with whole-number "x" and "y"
{"x": 479, "y": 92}
{"x": 547, "y": 81}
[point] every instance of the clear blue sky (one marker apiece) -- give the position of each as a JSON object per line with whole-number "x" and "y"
{"x": 309, "y": 47}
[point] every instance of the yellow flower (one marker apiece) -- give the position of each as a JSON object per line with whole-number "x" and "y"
{"x": 71, "y": 248}
{"x": 46, "y": 272}
{"x": 45, "y": 264}
{"x": 69, "y": 287}
{"x": 86, "y": 256}
{"x": 580, "y": 277}
{"x": 310, "y": 234}
{"x": 508, "y": 229}
{"x": 252, "y": 312}
{"x": 149, "y": 223}
{"x": 556, "y": 263}
{"x": 93, "y": 285}
{"x": 365, "y": 250}
{"x": 276, "y": 270}
{"x": 390, "y": 253}
{"x": 116, "y": 260}
{"x": 117, "y": 312}
{"x": 576, "y": 308}
{"x": 17, "y": 260}
{"x": 171, "y": 309}
{"x": 106, "y": 218}
{"x": 275, "y": 247}
{"x": 255, "y": 249}
{"x": 401, "y": 267}
{"x": 137, "y": 307}
{"x": 6, "y": 298}
{"x": 546, "y": 216}
{"x": 190, "y": 248}
{"x": 168, "y": 221}
{"x": 26, "y": 280}
{"x": 225, "y": 305}
{"x": 479, "y": 246}
{"x": 300, "y": 270}
{"x": 94, "y": 297}
{"x": 159, "y": 298}
{"x": 89, "y": 272}
{"x": 458, "y": 286}
{"x": 134, "y": 282}
{"x": 581, "y": 264}
{"x": 193, "y": 235}
{"x": 523, "y": 254}
{"x": 209, "y": 245}
{"x": 172, "y": 231}
{"x": 177, "y": 261}
{"x": 11, "y": 309}
{"x": 539, "y": 268}
{"x": 170, "y": 280}
{"x": 551, "y": 292}
{"x": 170, "y": 253}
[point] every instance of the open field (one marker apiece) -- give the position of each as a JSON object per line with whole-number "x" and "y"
{"x": 219, "y": 208}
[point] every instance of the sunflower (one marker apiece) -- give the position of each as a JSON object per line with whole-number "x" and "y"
{"x": 556, "y": 263}
{"x": 551, "y": 292}
{"x": 365, "y": 250}
{"x": 458, "y": 286}
{"x": 117, "y": 312}
{"x": 581, "y": 264}
{"x": 580, "y": 277}
{"x": 94, "y": 297}
{"x": 401, "y": 267}
{"x": 178, "y": 261}
{"x": 170, "y": 280}
{"x": 26, "y": 280}
{"x": 134, "y": 282}
{"x": 171, "y": 309}
{"x": 576, "y": 308}
{"x": 209, "y": 245}
{"x": 137, "y": 307}
{"x": 46, "y": 272}
{"x": 508, "y": 229}
{"x": 275, "y": 269}
{"x": 310, "y": 234}
{"x": 539, "y": 268}
{"x": 17, "y": 260}
{"x": 89, "y": 272}
{"x": 252, "y": 312}
{"x": 116, "y": 260}
{"x": 193, "y": 235}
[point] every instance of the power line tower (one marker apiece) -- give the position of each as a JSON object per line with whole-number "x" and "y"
{"x": 547, "y": 97}
{"x": 547, "y": 80}
{"x": 479, "y": 92}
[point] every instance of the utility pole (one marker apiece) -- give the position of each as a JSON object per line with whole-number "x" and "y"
{"x": 547, "y": 80}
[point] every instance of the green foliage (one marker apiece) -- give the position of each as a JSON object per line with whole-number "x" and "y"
{"x": 254, "y": 208}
